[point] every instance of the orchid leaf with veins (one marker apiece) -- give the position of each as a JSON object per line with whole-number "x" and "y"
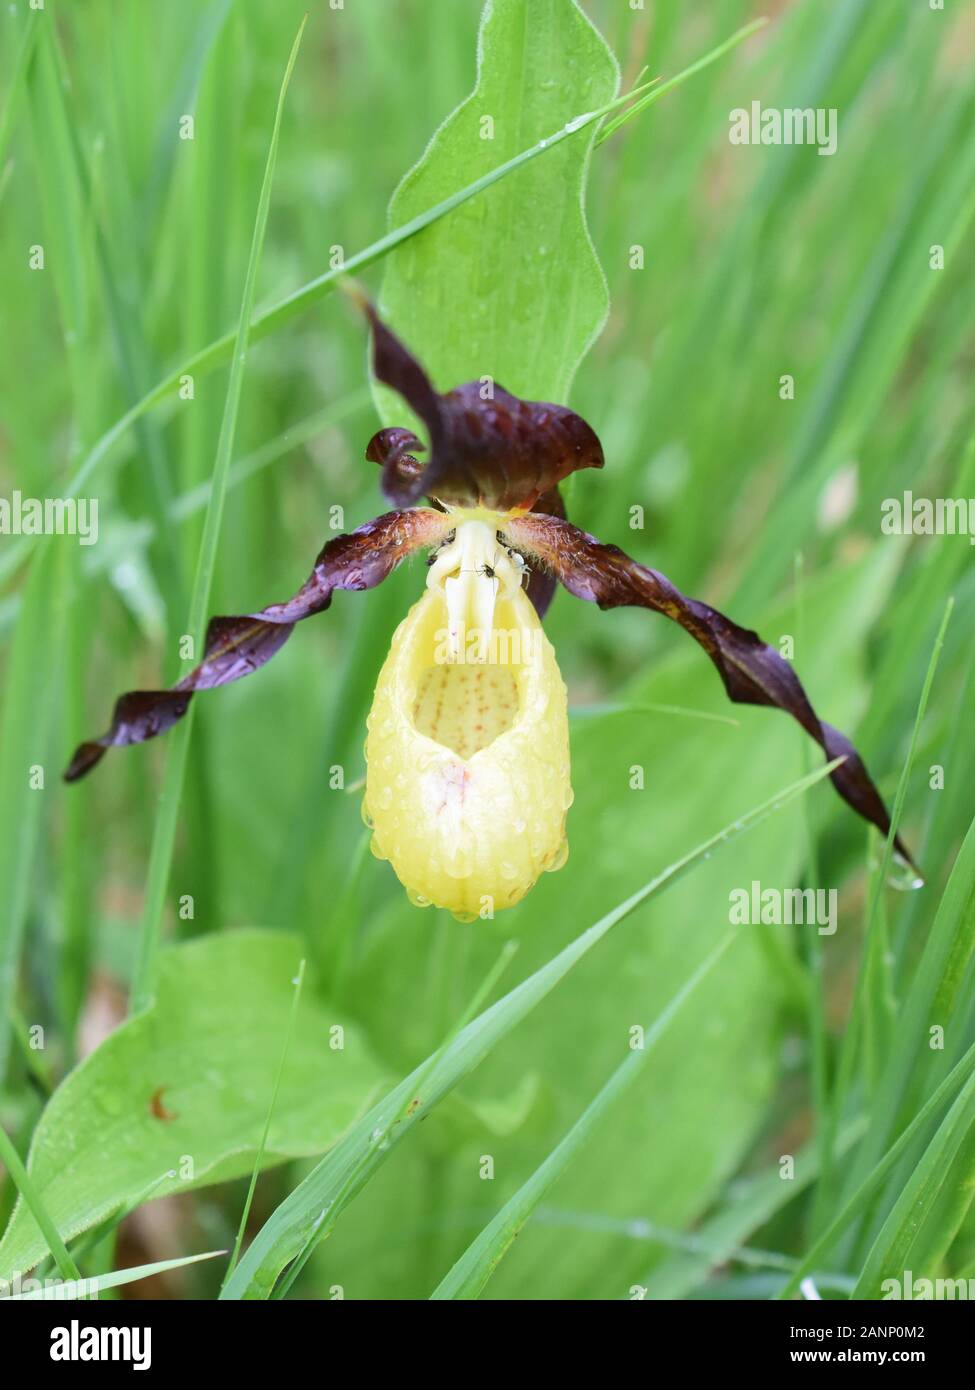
{"x": 468, "y": 785}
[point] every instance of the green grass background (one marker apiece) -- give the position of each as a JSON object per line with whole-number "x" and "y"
{"x": 757, "y": 262}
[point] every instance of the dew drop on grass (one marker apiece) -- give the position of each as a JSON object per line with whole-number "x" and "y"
{"x": 902, "y": 876}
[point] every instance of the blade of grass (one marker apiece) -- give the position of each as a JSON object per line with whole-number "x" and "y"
{"x": 813, "y": 952}
{"x": 32, "y": 1198}
{"x": 131, "y": 351}
{"x": 165, "y": 831}
{"x": 199, "y": 45}
{"x": 195, "y": 499}
{"x": 296, "y": 1219}
{"x": 855, "y": 1030}
{"x": 857, "y": 1204}
{"x": 18, "y": 80}
{"x": 601, "y": 711}
{"x": 96, "y": 1283}
{"x": 323, "y": 1226}
{"x": 611, "y": 127}
{"x": 31, "y": 1055}
{"x": 749, "y": 1206}
{"x": 474, "y": 1268}
{"x": 92, "y": 1239}
{"x": 220, "y": 351}
{"x": 891, "y": 1252}
{"x": 951, "y": 939}
{"x": 23, "y": 743}
{"x": 259, "y": 1158}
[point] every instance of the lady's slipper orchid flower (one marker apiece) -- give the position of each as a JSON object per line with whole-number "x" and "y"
{"x": 467, "y": 785}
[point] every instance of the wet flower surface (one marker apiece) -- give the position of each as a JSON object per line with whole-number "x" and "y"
{"x": 468, "y": 780}
{"x": 468, "y": 784}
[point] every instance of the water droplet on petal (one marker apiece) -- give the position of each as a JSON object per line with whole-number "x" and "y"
{"x": 558, "y": 858}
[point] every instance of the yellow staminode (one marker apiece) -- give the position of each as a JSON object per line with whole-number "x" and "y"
{"x": 468, "y": 748}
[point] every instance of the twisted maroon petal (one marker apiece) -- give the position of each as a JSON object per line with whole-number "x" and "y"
{"x": 236, "y": 646}
{"x": 487, "y": 447}
{"x": 753, "y": 672}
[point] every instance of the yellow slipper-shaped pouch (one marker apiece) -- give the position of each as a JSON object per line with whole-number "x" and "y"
{"x": 468, "y": 785}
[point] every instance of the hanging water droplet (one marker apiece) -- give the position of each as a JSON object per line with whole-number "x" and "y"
{"x": 558, "y": 859}
{"x": 417, "y": 899}
{"x": 903, "y": 877}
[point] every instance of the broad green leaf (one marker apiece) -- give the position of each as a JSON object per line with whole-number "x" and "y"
{"x": 270, "y": 320}
{"x": 508, "y": 286}
{"x": 749, "y": 1205}
{"x": 188, "y": 1082}
{"x": 474, "y": 1268}
{"x": 311, "y": 1210}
